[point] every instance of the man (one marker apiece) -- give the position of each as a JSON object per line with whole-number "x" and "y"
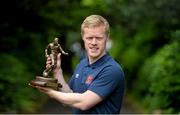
{"x": 97, "y": 85}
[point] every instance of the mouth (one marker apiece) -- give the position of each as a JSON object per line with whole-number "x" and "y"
{"x": 93, "y": 49}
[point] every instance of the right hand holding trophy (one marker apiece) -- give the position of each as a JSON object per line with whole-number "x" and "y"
{"x": 51, "y": 53}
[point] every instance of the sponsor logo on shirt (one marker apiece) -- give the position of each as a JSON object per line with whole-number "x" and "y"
{"x": 89, "y": 79}
{"x": 77, "y": 75}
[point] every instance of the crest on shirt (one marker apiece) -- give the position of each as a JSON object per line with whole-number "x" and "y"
{"x": 77, "y": 75}
{"x": 89, "y": 79}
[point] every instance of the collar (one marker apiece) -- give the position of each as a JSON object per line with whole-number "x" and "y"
{"x": 99, "y": 62}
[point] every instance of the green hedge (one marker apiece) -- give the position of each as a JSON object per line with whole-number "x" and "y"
{"x": 16, "y": 95}
{"x": 158, "y": 86}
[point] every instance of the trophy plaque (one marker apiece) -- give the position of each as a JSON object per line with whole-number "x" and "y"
{"x": 45, "y": 80}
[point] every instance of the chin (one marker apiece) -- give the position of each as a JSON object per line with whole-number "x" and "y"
{"x": 94, "y": 55}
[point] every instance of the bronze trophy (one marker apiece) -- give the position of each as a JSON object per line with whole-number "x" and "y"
{"x": 45, "y": 80}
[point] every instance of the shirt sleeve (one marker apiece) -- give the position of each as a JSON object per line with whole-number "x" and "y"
{"x": 106, "y": 82}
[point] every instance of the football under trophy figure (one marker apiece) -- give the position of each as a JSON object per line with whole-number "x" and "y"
{"x": 45, "y": 80}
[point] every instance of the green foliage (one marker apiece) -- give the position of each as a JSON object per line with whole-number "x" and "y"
{"x": 159, "y": 81}
{"x": 16, "y": 95}
{"x": 132, "y": 51}
{"x": 131, "y": 58}
{"x": 139, "y": 28}
{"x": 118, "y": 43}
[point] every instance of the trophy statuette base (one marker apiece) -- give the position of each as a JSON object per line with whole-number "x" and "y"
{"x": 46, "y": 82}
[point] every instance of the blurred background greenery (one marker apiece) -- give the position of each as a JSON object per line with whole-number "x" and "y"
{"x": 145, "y": 39}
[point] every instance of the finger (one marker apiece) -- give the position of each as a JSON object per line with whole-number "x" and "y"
{"x": 31, "y": 85}
{"x": 48, "y": 62}
{"x": 48, "y": 66}
{"x": 48, "y": 59}
{"x": 42, "y": 89}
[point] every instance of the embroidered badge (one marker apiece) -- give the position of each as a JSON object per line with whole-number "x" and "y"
{"x": 77, "y": 75}
{"x": 89, "y": 79}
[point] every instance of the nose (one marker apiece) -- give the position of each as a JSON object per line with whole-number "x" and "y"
{"x": 94, "y": 41}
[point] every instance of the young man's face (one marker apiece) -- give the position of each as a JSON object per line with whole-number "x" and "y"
{"x": 95, "y": 41}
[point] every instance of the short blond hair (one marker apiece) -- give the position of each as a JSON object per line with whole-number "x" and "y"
{"x": 95, "y": 21}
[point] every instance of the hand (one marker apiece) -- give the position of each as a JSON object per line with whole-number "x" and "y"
{"x": 58, "y": 66}
{"x": 48, "y": 62}
{"x": 46, "y": 90}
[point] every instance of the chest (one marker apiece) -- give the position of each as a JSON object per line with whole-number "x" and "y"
{"x": 83, "y": 78}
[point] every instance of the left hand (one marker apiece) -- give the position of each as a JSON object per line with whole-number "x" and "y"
{"x": 46, "y": 90}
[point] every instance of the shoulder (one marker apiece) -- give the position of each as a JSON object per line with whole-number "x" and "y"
{"x": 81, "y": 64}
{"x": 113, "y": 69}
{"x": 111, "y": 63}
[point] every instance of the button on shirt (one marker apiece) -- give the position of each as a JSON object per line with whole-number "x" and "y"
{"x": 105, "y": 77}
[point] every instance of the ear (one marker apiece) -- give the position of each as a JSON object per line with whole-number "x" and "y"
{"x": 107, "y": 39}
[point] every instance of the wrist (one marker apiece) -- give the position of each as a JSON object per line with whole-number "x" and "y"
{"x": 51, "y": 93}
{"x": 57, "y": 73}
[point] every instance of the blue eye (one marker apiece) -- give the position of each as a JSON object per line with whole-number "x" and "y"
{"x": 89, "y": 38}
{"x": 99, "y": 38}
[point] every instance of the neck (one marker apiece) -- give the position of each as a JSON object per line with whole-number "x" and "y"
{"x": 92, "y": 60}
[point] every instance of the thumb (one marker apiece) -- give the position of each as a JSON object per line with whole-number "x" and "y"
{"x": 59, "y": 60}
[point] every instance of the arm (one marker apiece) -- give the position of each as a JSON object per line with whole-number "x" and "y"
{"x": 65, "y": 87}
{"x": 62, "y": 51}
{"x": 82, "y": 101}
{"x": 57, "y": 72}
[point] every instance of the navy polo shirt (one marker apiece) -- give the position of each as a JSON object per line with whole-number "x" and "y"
{"x": 104, "y": 77}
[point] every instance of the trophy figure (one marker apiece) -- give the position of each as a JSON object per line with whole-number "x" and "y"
{"x": 45, "y": 80}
